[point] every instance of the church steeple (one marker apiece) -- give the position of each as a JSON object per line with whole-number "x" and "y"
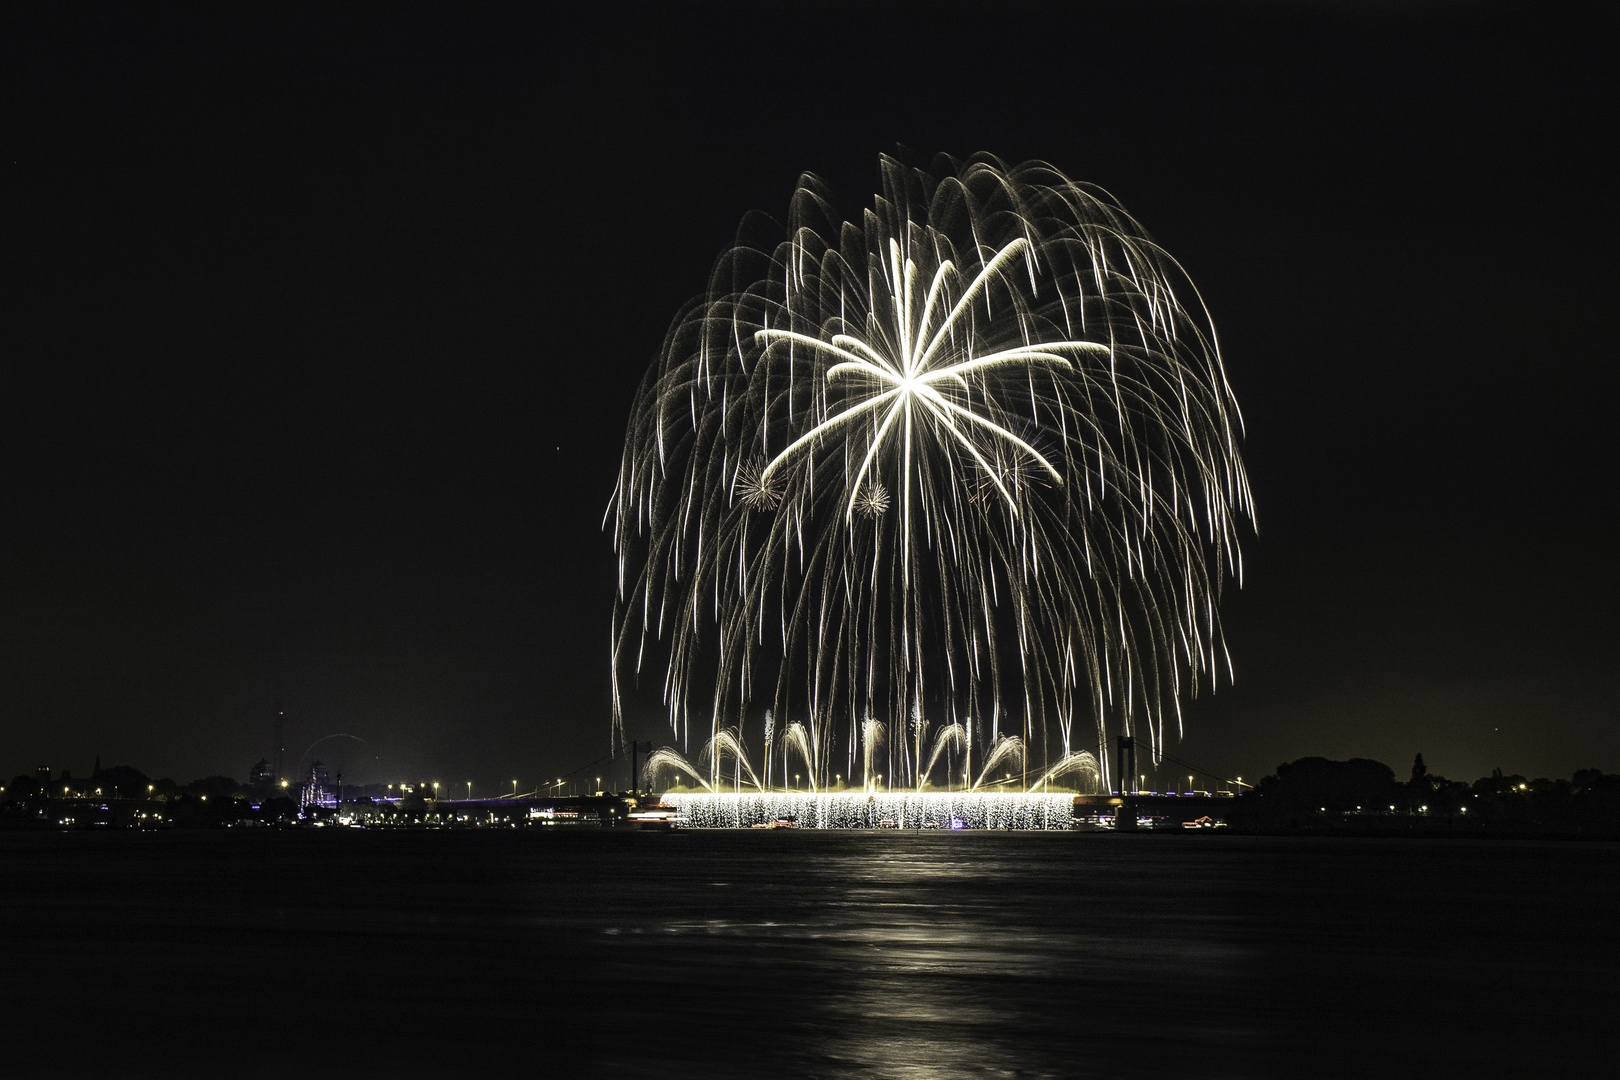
{"x": 95, "y": 774}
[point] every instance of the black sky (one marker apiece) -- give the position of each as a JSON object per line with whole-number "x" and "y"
{"x": 323, "y": 324}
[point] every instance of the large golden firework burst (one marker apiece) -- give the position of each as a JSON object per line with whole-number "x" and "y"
{"x": 969, "y": 463}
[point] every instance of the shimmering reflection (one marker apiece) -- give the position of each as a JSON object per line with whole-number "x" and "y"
{"x": 793, "y": 953}
{"x": 924, "y": 956}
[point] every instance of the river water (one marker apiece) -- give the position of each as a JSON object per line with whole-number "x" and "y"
{"x": 800, "y": 953}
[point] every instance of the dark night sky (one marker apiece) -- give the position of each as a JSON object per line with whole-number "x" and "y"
{"x": 323, "y": 328}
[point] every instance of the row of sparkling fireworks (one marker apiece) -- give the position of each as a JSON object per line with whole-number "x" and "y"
{"x": 962, "y": 472}
{"x": 876, "y": 811}
{"x": 728, "y": 764}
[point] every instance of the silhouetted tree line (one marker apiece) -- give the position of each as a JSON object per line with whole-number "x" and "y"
{"x": 119, "y": 796}
{"x": 106, "y": 797}
{"x": 1317, "y": 795}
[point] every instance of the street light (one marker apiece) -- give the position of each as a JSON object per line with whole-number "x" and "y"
{"x": 514, "y": 789}
{"x": 435, "y": 791}
{"x": 469, "y": 791}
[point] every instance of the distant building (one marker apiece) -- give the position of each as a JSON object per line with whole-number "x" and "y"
{"x": 318, "y": 789}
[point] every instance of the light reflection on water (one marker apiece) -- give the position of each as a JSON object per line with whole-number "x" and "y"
{"x": 937, "y": 958}
{"x": 793, "y": 953}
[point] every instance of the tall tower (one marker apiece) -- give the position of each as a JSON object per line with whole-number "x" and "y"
{"x": 1125, "y": 756}
{"x": 281, "y": 747}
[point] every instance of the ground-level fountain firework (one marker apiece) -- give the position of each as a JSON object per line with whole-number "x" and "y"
{"x": 877, "y": 810}
{"x": 942, "y": 493}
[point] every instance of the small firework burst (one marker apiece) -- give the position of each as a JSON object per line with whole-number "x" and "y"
{"x": 998, "y": 475}
{"x": 999, "y": 469}
{"x": 872, "y": 501}
{"x": 754, "y": 490}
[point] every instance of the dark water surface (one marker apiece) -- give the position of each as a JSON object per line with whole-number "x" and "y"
{"x": 799, "y": 953}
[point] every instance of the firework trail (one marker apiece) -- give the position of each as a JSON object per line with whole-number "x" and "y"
{"x": 726, "y": 741}
{"x": 971, "y": 459}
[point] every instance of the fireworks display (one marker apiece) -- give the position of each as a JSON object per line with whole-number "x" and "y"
{"x": 962, "y": 471}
